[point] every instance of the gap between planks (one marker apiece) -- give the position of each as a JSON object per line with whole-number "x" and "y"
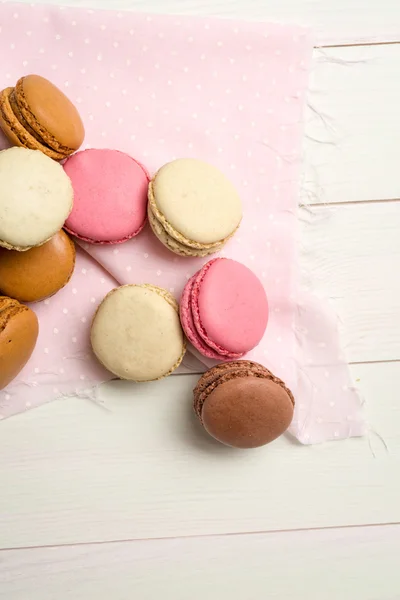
{"x": 348, "y": 203}
{"x": 247, "y": 534}
{"x": 358, "y": 44}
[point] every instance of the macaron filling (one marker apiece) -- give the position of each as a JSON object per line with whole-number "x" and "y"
{"x": 175, "y": 234}
{"x": 197, "y": 317}
{"x": 195, "y": 204}
{"x": 189, "y": 325}
{"x": 172, "y": 244}
{"x": 14, "y": 124}
{"x": 242, "y": 405}
{"x": 224, "y": 310}
{"x": 226, "y": 372}
{"x": 31, "y": 93}
{"x": 18, "y": 114}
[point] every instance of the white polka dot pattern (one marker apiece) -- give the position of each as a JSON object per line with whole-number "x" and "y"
{"x": 158, "y": 88}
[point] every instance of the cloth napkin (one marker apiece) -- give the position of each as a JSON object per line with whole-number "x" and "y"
{"x": 157, "y": 87}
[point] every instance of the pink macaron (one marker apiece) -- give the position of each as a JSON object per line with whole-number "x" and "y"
{"x": 224, "y": 310}
{"x": 110, "y": 196}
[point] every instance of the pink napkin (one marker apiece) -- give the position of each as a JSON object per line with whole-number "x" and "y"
{"x": 158, "y": 87}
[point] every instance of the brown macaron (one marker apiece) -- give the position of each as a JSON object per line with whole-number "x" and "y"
{"x": 38, "y": 273}
{"x": 242, "y": 404}
{"x": 18, "y": 334}
{"x": 37, "y": 115}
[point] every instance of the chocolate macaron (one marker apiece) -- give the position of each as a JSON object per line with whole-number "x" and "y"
{"x": 242, "y": 404}
{"x": 18, "y": 334}
{"x": 38, "y": 273}
{"x": 37, "y": 115}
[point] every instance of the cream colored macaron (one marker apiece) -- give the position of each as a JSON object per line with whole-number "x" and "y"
{"x": 171, "y": 243}
{"x": 193, "y": 208}
{"x": 136, "y": 333}
{"x": 36, "y": 198}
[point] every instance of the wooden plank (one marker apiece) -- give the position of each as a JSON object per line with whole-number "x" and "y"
{"x": 142, "y": 468}
{"x": 353, "y": 125}
{"x": 335, "y": 21}
{"x": 350, "y": 255}
{"x": 357, "y": 563}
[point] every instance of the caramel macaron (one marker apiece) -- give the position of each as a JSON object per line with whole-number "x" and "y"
{"x": 19, "y": 330}
{"x": 242, "y": 404}
{"x": 37, "y": 115}
{"x": 38, "y": 273}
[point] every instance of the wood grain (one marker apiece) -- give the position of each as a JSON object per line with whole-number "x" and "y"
{"x": 349, "y": 255}
{"x": 348, "y": 564}
{"x": 142, "y": 468}
{"x": 353, "y": 125}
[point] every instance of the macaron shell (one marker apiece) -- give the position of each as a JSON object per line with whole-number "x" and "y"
{"x": 230, "y": 370}
{"x": 110, "y": 196}
{"x": 186, "y": 316}
{"x": 222, "y": 352}
{"x": 195, "y": 202}
{"x": 50, "y": 113}
{"x": 230, "y": 306}
{"x": 8, "y": 120}
{"x": 247, "y": 412}
{"x": 36, "y": 198}
{"x": 38, "y": 273}
{"x": 18, "y": 335}
{"x": 16, "y": 133}
{"x": 171, "y": 243}
{"x": 136, "y": 333}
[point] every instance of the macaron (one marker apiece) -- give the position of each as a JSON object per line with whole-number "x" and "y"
{"x": 36, "y": 198}
{"x": 224, "y": 309}
{"x": 18, "y": 334}
{"x": 35, "y": 114}
{"x": 37, "y": 273}
{"x": 193, "y": 208}
{"x": 242, "y": 404}
{"x": 110, "y": 196}
{"x": 136, "y": 333}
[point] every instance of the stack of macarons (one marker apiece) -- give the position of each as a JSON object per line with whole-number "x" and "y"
{"x": 139, "y": 331}
{"x": 37, "y": 257}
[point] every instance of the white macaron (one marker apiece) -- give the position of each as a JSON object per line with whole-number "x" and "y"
{"x": 36, "y": 198}
{"x": 136, "y": 333}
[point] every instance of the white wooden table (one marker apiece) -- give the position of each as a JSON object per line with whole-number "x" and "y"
{"x": 78, "y": 486}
